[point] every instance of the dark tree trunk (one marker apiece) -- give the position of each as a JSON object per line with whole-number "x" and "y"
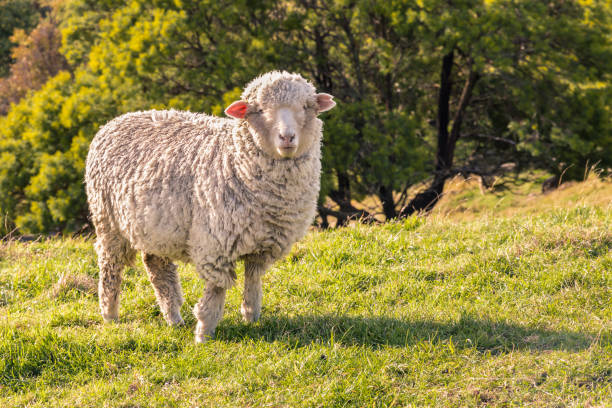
{"x": 324, "y": 221}
{"x": 550, "y": 184}
{"x": 342, "y": 197}
{"x": 426, "y": 200}
{"x": 385, "y": 192}
{"x": 444, "y": 156}
{"x": 352, "y": 214}
{"x": 386, "y": 197}
{"x": 323, "y": 68}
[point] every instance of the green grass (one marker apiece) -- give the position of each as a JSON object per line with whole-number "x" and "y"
{"x": 499, "y": 310}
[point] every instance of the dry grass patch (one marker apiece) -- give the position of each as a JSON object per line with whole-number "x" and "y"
{"x": 68, "y": 281}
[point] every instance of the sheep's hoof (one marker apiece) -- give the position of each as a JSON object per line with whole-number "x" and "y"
{"x": 249, "y": 315}
{"x": 176, "y": 320}
{"x": 202, "y": 335}
{"x": 110, "y": 319}
{"x": 202, "y": 339}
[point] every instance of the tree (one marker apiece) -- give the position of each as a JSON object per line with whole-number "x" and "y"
{"x": 139, "y": 56}
{"x": 425, "y": 90}
{"x": 359, "y": 52}
{"x": 37, "y": 58}
{"x": 498, "y": 51}
{"x": 16, "y": 14}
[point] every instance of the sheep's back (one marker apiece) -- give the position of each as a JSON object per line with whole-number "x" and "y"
{"x": 140, "y": 177}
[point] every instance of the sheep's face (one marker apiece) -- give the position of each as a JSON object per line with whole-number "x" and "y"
{"x": 284, "y": 131}
{"x": 283, "y": 117}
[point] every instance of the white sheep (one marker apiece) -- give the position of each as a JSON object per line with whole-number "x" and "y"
{"x": 207, "y": 190}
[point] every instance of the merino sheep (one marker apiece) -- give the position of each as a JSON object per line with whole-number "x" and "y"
{"x": 212, "y": 191}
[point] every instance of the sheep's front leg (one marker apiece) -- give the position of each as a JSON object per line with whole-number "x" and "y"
{"x": 209, "y": 311}
{"x": 252, "y": 295}
{"x": 220, "y": 275}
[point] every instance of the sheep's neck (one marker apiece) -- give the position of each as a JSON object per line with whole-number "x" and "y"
{"x": 281, "y": 195}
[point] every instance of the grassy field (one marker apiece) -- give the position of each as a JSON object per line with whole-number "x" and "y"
{"x": 496, "y": 305}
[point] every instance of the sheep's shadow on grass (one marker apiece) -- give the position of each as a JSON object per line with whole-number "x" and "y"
{"x": 376, "y": 332}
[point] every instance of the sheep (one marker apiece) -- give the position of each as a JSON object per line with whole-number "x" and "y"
{"x": 212, "y": 191}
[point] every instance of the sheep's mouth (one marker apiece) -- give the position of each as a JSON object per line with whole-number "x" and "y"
{"x": 287, "y": 151}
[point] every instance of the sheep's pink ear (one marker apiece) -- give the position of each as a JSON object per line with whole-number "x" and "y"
{"x": 237, "y": 109}
{"x": 325, "y": 102}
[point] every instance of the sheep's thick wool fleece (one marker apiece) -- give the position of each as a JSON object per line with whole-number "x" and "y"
{"x": 197, "y": 188}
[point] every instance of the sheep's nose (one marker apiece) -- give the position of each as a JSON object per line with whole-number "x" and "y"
{"x": 287, "y": 137}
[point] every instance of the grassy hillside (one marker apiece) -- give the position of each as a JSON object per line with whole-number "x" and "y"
{"x": 519, "y": 194}
{"x": 505, "y": 307}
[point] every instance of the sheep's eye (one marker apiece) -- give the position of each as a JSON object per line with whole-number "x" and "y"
{"x": 306, "y": 107}
{"x": 258, "y": 111}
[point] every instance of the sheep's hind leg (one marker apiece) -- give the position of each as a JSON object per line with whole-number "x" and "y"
{"x": 166, "y": 284}
{"x": 252, "y": 295}
{"x": 209, "y": 311}
{"x": 113, "y": 254}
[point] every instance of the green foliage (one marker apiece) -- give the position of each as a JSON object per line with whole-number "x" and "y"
{"x": 560, "y": 118}
{"x": 360, "y": 52}
{"x": 543, "y": 87}
{"x": 574, "y": 134}
{"x": 381, "y": 149}
{"x": 544, "y": 82}
{"x": 46, "y": 137}
{"x": 499, "y": 311}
